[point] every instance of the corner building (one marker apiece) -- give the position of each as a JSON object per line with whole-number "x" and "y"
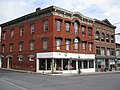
{"x": 50, "y": 40}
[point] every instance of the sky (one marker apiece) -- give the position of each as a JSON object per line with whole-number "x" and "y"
{"x": 100, "y": 9}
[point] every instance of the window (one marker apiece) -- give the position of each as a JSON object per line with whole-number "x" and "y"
{"x": 21, "y": 46}
{"x": 76, "y": 44}
{"x": 76, "y": 27}
{"x": 45, "y": 43}
{"x": 108, "y": 51}
{"x": 12, "y": 33}
{"x": 4, "y": 35}
{"x": 20, "y": 58}
{"x": 90, "y": 32}
{"x": 98, "y": 50}
{"x": 67, "y": 44}
{"x": 11, "y": 47}
{"x": 3, "y": 48}
{"x": 85, "y": 64}
{"x": 97, "y": 35}
{"x": 102, "y": 50}
{"x": 90, "y": 47}
{"x": 91, "y": 64}
{"x": 84, "y": 46}
{"x": 83, "y": 30}
{"x": 31, "y": 45}
{"x": 21, "y": 31}
{"x": 112, "y": 52}
{"x": 58, "y": 44}
{"x": 45, "y": 25}
{"x": 103, "y": 37}
{"x": 107, "y": 38}
{"x": 32, "y": 28}
{"x": 112, "y": 39}
{"x": 67, "y": 27}
{"x": 58, "y": 25}
{"x": 31, "y": 57}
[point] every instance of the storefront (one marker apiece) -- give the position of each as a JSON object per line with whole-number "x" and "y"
{"x": 105, "y": 64}
{"x": 58, "y": 62}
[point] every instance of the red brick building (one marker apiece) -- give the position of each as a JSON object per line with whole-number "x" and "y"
{"x": 49, "y": 40}
{"x": 104, "y": 45}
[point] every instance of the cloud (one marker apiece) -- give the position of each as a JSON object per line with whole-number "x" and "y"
{"x": 100, "y": 9}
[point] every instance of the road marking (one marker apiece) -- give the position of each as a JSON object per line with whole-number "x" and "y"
{"x": 14, "y": 84}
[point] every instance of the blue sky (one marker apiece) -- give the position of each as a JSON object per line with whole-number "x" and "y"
{"x": 100, "y": 9}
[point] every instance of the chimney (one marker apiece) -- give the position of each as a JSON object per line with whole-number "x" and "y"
{"x": 38, "y": 9}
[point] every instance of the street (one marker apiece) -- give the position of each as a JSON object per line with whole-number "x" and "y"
{"x": 10, "y": 80}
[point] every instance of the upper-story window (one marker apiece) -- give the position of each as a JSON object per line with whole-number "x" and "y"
{"x": 90, "y": 47}
{"x": 108, "y": 52}
{"x": 12, "y": 33}
{"x": 20, "y": 46}
{"x": 84, "y": 46}
{"x": 107, "y": 38}
{"x": 32, "y": 28}
{"x": 102, "y": 50}
{"x": 76, "y": 44}
{"x": 11, "y": 47}
{"x": 112, "y": 52}
{"x": 67, "y": 44}
{"x": 112, "y": 39}
{"x": 45, "y": 43}
{"x": 31, "y": 44}
{"x": 76, "y": 27}
{"x": 67, "y": 27}
{"x": 98, "y": 52}
{"x": 58, "y": 44}
{"x": 97, "y": 35}
{"x": 3, "y": 48}
{"x": 83, "y": 30}
{"x": 4, "y": 35}
{"x": 58, "y": 25}
{"x": 45, "y": 25}
{"x": 103, "y": 37}
{"x": 21, "y": 31}
{"x": 90, "y": 32}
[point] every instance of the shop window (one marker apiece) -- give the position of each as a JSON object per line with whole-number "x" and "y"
{"x": 85, "y": 64}
{"x": 42, "y": 64}
{"x": 58, "y": 64}
{"x": 65, "y": 64}
{"x": 91, "y": 64}
{"x": 73, "y": 64}
{"x": 49, "y": 61}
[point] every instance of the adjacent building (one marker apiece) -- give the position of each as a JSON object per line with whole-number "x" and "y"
{"x": 105, "y": 45}
{"x": 118, "y": 55}
{"x": 52, "y": 40}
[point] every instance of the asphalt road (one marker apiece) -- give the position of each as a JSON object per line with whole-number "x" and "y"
{"x": 10, "y": 80}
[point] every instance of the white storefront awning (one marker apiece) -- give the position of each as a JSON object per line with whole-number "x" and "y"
{"x": 65, "y": 55}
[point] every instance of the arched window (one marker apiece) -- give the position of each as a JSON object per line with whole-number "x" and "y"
{"x": 103, "y": 37}
{"x": 97, "y": 35}
{"x": 76, "y": 27}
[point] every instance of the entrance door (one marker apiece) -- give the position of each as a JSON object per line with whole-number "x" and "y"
{"x": 9, "y": 62}
{"x": 107, "y": 64}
